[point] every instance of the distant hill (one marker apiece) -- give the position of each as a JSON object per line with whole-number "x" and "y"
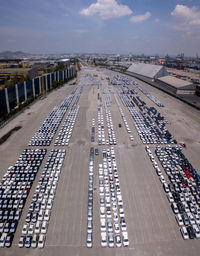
{"x": 10, "y": 54}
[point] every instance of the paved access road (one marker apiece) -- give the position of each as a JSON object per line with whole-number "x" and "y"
{"x": 151, "y": 224}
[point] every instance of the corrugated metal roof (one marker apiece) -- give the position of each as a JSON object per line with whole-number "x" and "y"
{"x": 174, "y": 81}
{"x": 143, "y": 69}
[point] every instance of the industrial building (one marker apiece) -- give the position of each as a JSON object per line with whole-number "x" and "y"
{"x": 147, "y": 70}
{"x": 177, "y": 85}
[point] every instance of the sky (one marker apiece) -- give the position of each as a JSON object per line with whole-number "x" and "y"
{"x": 102, "y": 26}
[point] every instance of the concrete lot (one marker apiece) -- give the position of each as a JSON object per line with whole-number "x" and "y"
{"x": 151, "y": 224}
{"x": 192, "y": 75}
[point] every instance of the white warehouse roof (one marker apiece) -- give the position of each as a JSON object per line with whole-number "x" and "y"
{"x": 148, "y": 70}
{"x": 176, "y": 82}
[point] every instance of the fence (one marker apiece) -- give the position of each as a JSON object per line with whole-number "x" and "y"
{"x": 12, "y": 96}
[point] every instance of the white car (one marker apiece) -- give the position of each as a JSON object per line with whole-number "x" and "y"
{"x": 37, "y": 227}
{"x": 102, "y": 212}
{"x": 170, "y": 197}
{"x": 21, "y": 241}
{"x": 51, "y": 194}
{"x": 111, "y": 240}
{"x": 49, "y": 204}
{"x": 166, "y": 188}
{"x": 162, "y": 179}
{"x": 197, "y": 219}
{"x": 191, "y": 218}
{"x": 121, "y": 212}
{"x": 184, "y": 233}
{"x": 31, "y": 229}
{"x": 41, "y": 241}
{"x": 89, "y": 240}
{"x": 2, "y": 239}
{"x": 123, "y": 227}
{"x": 175, "y": 208}
{"x": 1, "y": 227}
{"x": 34, "y": 241}
{"x": 25, "y": 229}
{"x": 196, "y": 230}
{"x": 103, "y": 239}
{"x": 158, "y": 171}
{"x": 179, "y": 219}
{"x": 103, "y": 224}
{"x": 186, "y": 207}
{"x": 44, "y": 227}
{"x": 47, "y": 215}
{"x": 120, "y": 202}
{"x": 125, "y": 239}
{"x": 41, "y": 215}
{"x": 118, "y": 241}
{"x": 117, "y": 228}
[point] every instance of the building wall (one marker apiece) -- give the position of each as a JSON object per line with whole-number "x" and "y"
{"x": 161, "y": 73}
{"x": 189, "y": 92}
{"x": 174, "y": 89}
{"x": 198, "y": 90}
{"x": 167, "y": 86}
{"x": 10, "y": 97}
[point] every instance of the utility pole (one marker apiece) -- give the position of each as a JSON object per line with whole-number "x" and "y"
{"x": 42, "y": 86}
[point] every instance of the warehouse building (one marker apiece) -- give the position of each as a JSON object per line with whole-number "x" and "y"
{"x": 177, "y": 85}
{"x": 147, "y": 70}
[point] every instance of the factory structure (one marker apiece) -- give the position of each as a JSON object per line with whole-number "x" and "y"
{"x": 158, "y": 74}
{"x": 147, "y": 70}
{"x": 177, "y": 85}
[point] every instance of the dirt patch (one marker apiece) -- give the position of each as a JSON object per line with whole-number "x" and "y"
{"x": 8, "y": 134}
{"x": 188, "y": 140}
{"x": 81, "y": 142}
{"x": 134, "y": 145}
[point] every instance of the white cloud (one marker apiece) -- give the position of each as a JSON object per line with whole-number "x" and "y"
{"x": 140, "y": 18}
{"x": 157, "y": 20}
{"x": 106, "y": 9}
{"x": 189, "y": 16}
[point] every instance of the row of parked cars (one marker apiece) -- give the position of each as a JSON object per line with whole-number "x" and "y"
{"x": 124, "y": 118}
{"x": 124, "y": 81}
{"x": 90, "y": 200}
{"x": 121, "y": 80}
{"x": 93, "y": 131}
{"x": 101, "y": 130}
{"x": 108, "y": 100}
{"x": 47, "y": 130}
{"x": 149, "y": 95}
{"x": 112, "y": 216}
{"x": 182, "y": 191}
{"x": 39, "y": 213}
{"x": 65, "y": 132}
{"x": 75, "y": 103}
{"x": 147, "y": 130}
{"x": 111, "y": 133}
{"x": 14, "y": 189}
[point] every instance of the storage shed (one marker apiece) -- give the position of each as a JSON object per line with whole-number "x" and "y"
{"x": 177, "y": 85}
{"x": 147, "y": 70}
